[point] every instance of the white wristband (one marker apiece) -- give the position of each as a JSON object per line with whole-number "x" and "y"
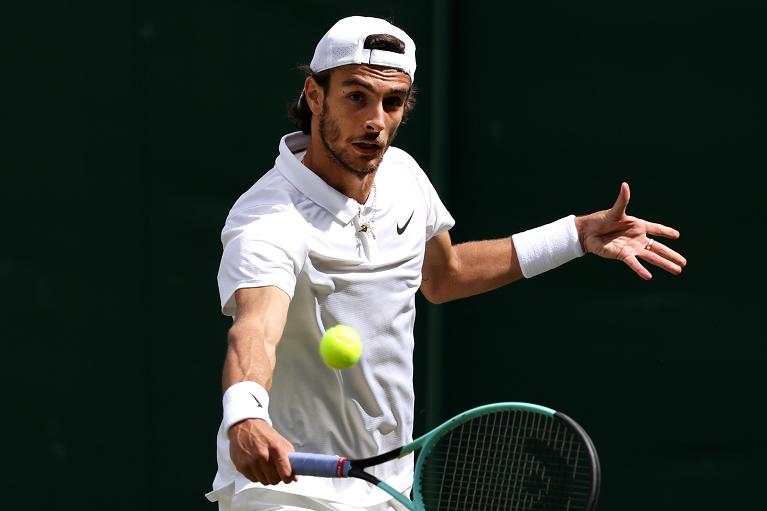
{"x": 546, "y": 247}
{"x": 245, "y": 400}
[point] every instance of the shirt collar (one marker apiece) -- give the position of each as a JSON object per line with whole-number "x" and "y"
{"x": 309, "y": 183}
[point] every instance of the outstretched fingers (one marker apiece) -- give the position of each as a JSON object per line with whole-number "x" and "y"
{"x": 664, "y": 231}
{"x": 633, "y": 263}
{"x": 664, "y": 257}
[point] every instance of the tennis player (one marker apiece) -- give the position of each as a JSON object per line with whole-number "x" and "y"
{"x": 345, "y": 228}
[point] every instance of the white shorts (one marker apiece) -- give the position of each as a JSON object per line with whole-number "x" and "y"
{"x": 279, "y": 501}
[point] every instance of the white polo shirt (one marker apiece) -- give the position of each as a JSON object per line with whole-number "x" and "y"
{"x": 292, "y": 230}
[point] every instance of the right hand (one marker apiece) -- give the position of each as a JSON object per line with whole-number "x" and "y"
{"x": 260, "y": 453}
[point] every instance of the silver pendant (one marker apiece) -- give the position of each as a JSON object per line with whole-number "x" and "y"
{"x": 367, "y": 228}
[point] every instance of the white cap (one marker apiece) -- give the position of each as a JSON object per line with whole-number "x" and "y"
{"x": 344, "y": 44}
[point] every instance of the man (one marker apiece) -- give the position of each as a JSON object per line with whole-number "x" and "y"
{"x": 345, "y": 229}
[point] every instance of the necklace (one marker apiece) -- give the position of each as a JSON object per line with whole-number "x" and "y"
{"x": 366, "y": 225}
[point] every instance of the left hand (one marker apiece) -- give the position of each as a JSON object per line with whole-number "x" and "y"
{"x": 614, "y": 235}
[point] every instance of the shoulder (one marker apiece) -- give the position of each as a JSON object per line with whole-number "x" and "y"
{"x": 403, "y": 167}
{"x": 399, "y": 157}
{"x": 271, "y": 189}
{"x": 270, "y": 204}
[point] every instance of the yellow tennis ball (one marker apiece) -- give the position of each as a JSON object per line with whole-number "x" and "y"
{"x": 341, "y": 347}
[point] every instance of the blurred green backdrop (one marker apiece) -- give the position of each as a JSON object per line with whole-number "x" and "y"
{"x": 130, "y": 127}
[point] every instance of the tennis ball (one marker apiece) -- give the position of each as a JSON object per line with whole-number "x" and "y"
{"x": 341, "y": 347}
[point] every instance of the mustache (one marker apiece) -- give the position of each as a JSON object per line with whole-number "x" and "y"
{"x": 372, "y": 138}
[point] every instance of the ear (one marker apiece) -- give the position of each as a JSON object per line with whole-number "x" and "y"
{"x": 314, "y": 95}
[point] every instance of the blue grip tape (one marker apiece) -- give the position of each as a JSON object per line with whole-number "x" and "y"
{"x": 319, "y": 465}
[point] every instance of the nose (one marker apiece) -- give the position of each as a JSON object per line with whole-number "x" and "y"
{"x": 375, "y": 121}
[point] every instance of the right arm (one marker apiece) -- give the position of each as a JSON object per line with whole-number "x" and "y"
{"x": 257, "y": 450}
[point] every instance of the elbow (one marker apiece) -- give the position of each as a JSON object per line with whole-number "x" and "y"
{"x": 440, "y": 287}
{"x": 430, "y": 297}
{"x": 433, "y": 293}
{"x": 443, "y": 284}
{"x": 436, "y": 300}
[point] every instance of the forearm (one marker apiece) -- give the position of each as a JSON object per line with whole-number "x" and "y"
{"x": 456, "y": 271}
{"x": 477, "y": 267}
{"x": 247, "y": 356}
{"x": 252, "y": 348}
{"x": 257, "y": 450}
{"x": 485, "y": 265}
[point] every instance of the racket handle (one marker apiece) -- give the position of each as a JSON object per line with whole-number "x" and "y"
{"x": 319, "y": 465}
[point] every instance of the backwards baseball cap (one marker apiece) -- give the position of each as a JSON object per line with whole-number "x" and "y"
{"x": 344, "y": 44}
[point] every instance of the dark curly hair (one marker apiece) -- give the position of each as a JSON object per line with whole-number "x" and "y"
{"x": 299, "y": 111}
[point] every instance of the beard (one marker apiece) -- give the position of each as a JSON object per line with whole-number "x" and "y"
{"x": 330, "y": 134}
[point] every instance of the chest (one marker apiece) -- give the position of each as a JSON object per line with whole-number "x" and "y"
{"x": 384, "y": 244}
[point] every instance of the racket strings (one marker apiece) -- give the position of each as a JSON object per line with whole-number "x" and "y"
{"x": 508, "y": 460}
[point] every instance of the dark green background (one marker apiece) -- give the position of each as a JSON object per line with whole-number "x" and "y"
{"x": 129, "y": 129}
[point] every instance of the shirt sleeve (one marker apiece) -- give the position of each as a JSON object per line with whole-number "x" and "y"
{"x": 438, "y": 218}
{"x": 263, "y": 246}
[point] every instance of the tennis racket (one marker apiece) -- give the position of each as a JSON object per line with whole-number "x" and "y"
{"x": 503, "y": 456}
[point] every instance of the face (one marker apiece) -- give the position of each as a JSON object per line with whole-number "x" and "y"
{"x": 361, "y": 113}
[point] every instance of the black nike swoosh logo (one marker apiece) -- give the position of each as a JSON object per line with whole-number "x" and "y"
{"x": 257, "y": 401}
{"x": 400, "y": 230}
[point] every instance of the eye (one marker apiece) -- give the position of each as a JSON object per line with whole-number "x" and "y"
{"x": 356, "y": 97}
{"x": 393, "y": 102}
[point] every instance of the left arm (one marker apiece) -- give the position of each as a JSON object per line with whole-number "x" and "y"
{"x": 457, "y": 271}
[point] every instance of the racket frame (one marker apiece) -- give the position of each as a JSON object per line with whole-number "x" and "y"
{"x": 355, "y": 468}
